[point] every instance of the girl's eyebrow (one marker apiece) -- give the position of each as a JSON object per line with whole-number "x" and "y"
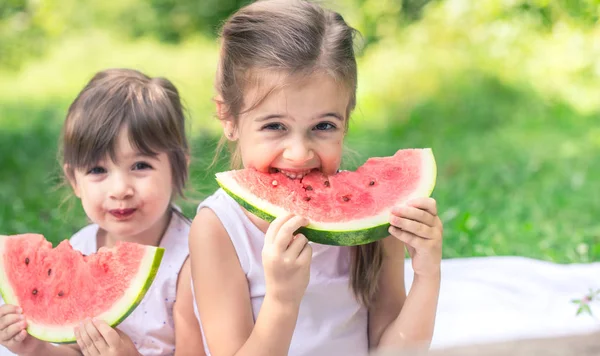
{"x": 269, "y": 117}
{"x": 141, "y": 155}
{"x": 281, "y": 116}
{"x": 331, "y": 114}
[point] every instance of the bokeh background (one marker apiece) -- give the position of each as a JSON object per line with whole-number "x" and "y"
{"x": 506, "y": 92}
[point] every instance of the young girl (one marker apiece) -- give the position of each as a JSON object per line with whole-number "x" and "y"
{"x": 286, "y": 85}
{"x": 125, "y": 154}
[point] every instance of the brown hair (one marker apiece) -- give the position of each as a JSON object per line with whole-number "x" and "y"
{"x": 150, "y": 109}
{"x": 295, "y": 37}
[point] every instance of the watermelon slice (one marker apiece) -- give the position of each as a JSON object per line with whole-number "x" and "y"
{"x": 57, "y": 288}
{"x": 348, "y": 208}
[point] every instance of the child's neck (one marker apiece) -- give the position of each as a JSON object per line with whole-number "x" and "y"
{"x": 151, "y": 236}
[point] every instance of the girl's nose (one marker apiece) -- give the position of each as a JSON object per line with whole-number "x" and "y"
{"x": 120, "y": 187}
{"x": 298, "y": 151}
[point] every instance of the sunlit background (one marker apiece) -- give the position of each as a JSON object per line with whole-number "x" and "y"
{"x": 506, "y": 92}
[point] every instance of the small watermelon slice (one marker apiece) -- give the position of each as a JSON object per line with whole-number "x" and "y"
{"x": 57, "y": 288}
{"x": 348, "y": 208}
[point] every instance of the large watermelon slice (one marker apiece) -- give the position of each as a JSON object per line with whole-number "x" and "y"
{"x": 57, "y": 288}
{"x": 348, "y": 208}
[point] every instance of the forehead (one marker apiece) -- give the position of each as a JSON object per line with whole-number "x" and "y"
{"x": 121, "y": 147}
{"x": 125, "y": 145}
{"x": 296, "y": 94}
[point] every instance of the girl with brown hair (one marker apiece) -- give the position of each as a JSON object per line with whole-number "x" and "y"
{"x": 125, "y": 155}
{"x": 286, "y": 85}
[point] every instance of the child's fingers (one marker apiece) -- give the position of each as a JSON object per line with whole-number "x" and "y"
{"x": 79, "y": 340}
{"x": 97, "y": 339}
{"x": 9, "y": 320}
{"x": 305, "y": 256}
{"x": 286, "y": 233}
{"x": 428, "y": 204}
{"x": 85, "y": 342}
{"x": 109, "y": 334}
{"x": 276, "y": 226}
{"x": 408, "y": 238}
{"x": 7, "y": 309}
{"x": 296, "y": 246}
{"x": 20, "y": 337}
{"x": 13, "y": 330}
{"x": 415, "y": 214}
{"x": 414, "y": 227}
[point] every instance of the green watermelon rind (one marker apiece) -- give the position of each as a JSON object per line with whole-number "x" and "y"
{"x": 114, "y": 316}
{"x": 338, "y": 238}
{"x": 353, "y": 233}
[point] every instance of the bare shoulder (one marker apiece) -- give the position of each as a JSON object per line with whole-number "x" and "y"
{"x": 211, "y": 249}
{"x": 220, "y": 285}
{"x": 208, "y": 235}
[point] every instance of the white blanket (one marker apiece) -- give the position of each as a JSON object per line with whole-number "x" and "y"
{"x": 492, "y": 299}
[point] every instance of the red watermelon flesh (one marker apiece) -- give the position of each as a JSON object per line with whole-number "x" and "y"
{"x": 350, "y": 207}
{"x": 57, "y": 288}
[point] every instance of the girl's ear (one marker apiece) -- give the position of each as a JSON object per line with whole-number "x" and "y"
{"x": 221, "y": 108}
{"x": 228, "y": 123}
{"x": 71, "y": 178}
{"x": 229, "y": 129}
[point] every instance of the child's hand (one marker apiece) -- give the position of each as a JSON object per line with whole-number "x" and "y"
{"x": 286, "y": 259}
{"x": 95, "y": 338}
{"x": 13, "y": 335}
{"x": 419, "y": 227}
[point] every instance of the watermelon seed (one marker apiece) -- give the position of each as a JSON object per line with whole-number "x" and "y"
{"x": 49, "y": 271}
{"x": 26, "y": 260}
{"x": 34, "y": 292}
{"x": 327, "y": 183}
{"x": 60, "y": 294}
{"x": 308, "y": 187}
{"x": 346, "y": 198}
{"x": 306, "y": 198}
{"x": 274, "y": 183}
{"x": 372, "y": 182}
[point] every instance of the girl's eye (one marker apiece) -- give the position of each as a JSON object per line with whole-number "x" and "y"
{"x": 141, "y": 165}
{"x": 275, "y": 126}
{"x": 96, "y": 170}
{"x": 325, "y": 126}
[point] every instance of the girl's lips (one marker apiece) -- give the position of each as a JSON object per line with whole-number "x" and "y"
{"x": 122, "y": 214}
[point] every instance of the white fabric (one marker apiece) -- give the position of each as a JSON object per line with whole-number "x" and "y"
{"x": 492, "y": 299}
{"x": 330, "y": 322}
{"x": 150, "y": 326}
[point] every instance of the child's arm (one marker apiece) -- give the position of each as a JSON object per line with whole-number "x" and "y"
{"x": 188, "y": 337}
{"x": 222, "y": 292}
{"x": 397, "y": 320}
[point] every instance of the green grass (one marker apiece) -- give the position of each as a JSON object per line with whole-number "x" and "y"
{"x": 516, "y": 173}
{"x": 510, "y": 109}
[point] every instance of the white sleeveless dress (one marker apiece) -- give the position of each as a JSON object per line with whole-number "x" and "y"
{"x": 150, "y": 326}
{"x": 331, "y": 321}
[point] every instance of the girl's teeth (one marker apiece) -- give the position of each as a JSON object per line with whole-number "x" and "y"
{"x": 294, "y": 175}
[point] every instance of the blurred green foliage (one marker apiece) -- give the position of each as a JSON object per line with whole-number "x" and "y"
{"x": 504, "y": 91}
{"x": 30, "y": 27}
